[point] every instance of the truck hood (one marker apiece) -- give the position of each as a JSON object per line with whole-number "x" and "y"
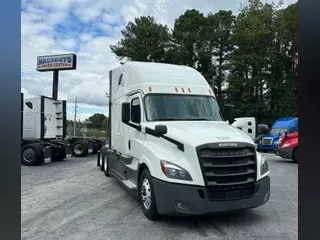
{"x": 202, "y": 132}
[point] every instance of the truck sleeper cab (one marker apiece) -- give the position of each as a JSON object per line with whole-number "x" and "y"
{"x": 170, "y": 147}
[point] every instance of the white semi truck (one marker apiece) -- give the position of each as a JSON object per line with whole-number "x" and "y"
{"x": 43, "y": 132}
{"x": 171, "y": 148}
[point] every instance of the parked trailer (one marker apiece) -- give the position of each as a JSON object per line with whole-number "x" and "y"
{"x": 43, "y": 133}
{"x": 171, "y": 149}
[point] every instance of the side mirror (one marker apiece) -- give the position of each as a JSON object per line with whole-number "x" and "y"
{"x": 125, "y": 112}
{"x": 286, "y": 134}
{"x": 161, "y": 129}
{"x": 230, "y": 113}
{"x": 263, "y": 129}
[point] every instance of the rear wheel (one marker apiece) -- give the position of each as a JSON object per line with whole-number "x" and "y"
{"x": 31, "y": 154}
{"x": 147, "y": 197}
{"x": 80, "y": 148}
{"x": 295, "y": 155}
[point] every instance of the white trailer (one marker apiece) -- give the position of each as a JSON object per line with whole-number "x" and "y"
{"x": 43, "y": 132}
{"x": 171, "y": 148}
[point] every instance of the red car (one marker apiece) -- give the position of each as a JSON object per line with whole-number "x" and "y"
{"x": 288, "y": 146}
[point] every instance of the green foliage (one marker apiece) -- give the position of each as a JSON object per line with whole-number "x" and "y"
{"x": 98, "y": 121}
{"x": 253, "y": 54}
{"x": 143, "y": 40}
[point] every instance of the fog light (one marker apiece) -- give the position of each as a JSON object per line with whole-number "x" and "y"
{"x": 183, "y": 207}
{"x": 266, "y": 197}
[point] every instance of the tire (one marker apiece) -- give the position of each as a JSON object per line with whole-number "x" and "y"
{"x": 80, "y": 148}
{"x": 145, "y": 187}
{"x": 32, "y": 154}
{"x": 98, "y": 158}
{"x": 102, "y": 162}
{"x": 106, "y": 165}
{"x": 295, "y": 155}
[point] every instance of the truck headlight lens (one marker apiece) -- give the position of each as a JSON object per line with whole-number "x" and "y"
{"x": 264, "y": 165}
{"x": 173, "y": 171}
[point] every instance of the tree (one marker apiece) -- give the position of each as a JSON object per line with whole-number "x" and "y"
{"x": 186, "y": 38}
{"x": 97, "y": 120}
{"x": 221, "y": 34}
{"x": 143, "y": 40}
{"x": 252, "y": 40}
{"x": 105, "y": 124}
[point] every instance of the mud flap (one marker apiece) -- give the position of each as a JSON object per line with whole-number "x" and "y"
{"x": 68, "y": 152}
{"x": 47, "y": 154}
{"x": 90, "y": 147}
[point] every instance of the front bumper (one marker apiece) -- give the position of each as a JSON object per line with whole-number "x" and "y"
{"x": 266, "y": 147}
{"x": 284, "y": 152}
{"x": 169, "y": 196}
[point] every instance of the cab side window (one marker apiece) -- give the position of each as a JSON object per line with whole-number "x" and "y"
{"x": 135, "y": 111}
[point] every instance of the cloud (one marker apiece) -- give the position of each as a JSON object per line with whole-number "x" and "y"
{"x": 87, "y": 28}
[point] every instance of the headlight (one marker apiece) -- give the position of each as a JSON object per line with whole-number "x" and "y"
{"x": 173, "y": 171}
{"x": 264, "y": 165}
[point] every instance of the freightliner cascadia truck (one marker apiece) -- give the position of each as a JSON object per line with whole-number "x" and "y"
{"x": 171, "y": 148}
{"x": 43, "y": 133}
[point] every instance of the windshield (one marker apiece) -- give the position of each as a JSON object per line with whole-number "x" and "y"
{"x": 277, "y": 131}
{"x": 173, "y": 107}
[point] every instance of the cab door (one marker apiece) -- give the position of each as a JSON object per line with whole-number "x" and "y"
{"x": 132, "y": 138}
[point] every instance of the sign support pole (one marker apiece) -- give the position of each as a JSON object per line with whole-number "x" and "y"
{"x": 55, "y": 84}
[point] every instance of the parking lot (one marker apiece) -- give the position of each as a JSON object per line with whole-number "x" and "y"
{"x": 74, "y": 200}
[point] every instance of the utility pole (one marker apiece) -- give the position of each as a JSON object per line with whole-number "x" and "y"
{"x": 75, "y": 118}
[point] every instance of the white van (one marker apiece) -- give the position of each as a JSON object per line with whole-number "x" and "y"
{"x": 171, "y": 148}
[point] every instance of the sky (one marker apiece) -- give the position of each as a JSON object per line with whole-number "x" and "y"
{"x": 88, "y": 28}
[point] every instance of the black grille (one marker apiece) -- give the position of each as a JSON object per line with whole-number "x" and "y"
{"x": 229, "y": 173}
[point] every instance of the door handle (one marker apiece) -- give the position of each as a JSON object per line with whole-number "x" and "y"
{"x": 129, "y": 145}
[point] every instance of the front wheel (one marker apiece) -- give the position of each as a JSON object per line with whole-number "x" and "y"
{"x": 106, "y": 166}
{"x": 147, "y": 197}
{"x": 295, "y": 155}
{"x": 32, "y": 154}
{"x": 102, "y": 160}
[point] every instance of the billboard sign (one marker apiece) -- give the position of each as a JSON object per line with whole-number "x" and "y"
{"x": 57, "y": 62}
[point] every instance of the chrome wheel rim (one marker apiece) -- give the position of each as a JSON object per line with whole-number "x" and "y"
{"x": 146, "y": 193}
{"x": 28, "y": 155}
{"x": 78, "y": 149}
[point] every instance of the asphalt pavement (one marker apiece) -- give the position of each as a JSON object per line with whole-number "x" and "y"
{"x": 74, "y": 200}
